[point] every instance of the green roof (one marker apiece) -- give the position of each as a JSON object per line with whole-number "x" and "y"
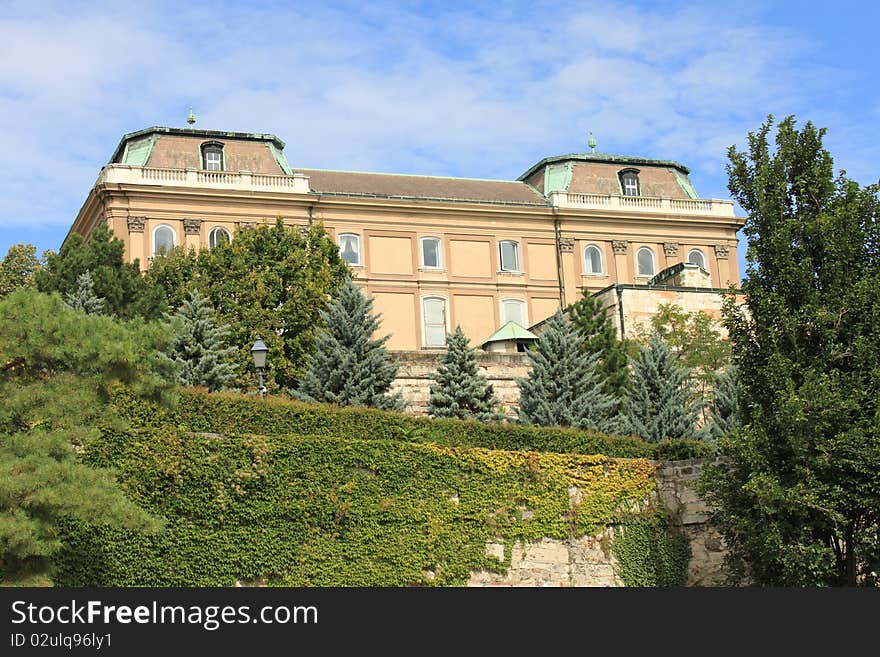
{"x": 605, "y": 158}
{"x": 510, "y": 331}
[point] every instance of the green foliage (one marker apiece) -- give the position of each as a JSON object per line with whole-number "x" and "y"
{"x": 173, "y": 274}
{"x": 349, "y": 367}
{"x": 18, "y": 268}
{"x": 319, "y": 511}
{"x": 564, "y": 386}
{"x": 724, "y": 413}
{"x": 83, "y": 298}
{"x": 799, "y": 499}
{"x": 199, "y": 348}
{"x": 460, "y": 390}
{"x": 119, "y": 283}
{"x": 650, "y": 551}
{"x": 598, "y": 336}
{"x": 659, "y": 405}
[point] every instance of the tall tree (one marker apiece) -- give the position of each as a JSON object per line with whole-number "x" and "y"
{"x": 460, "y": 390}
{"x": 172, "y": 274}
{"x": 660, "y": 403}
{"x": 83, "y": 298}
{"x": 598, "y": 336}
{"x": 799, "y": 498}
{"x": 349, "y": 366}
{"x": 199, "y": 348}
{"x": 564, "y": 386}
{"x": 18, "y": 268}
{"x": 724, "y": 415}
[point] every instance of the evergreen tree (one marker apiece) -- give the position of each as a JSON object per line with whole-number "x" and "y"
{"x": 18, "y": 268}
{"x": 460, "y": 390}
{"x": 199, "y": 347}
{"x": 660, "y": 402}
{"x": 598, "y": 336}
{"x": 724, "y": 414}
{"x": 83, "y": 298}
{"x": 564, "y": 386}
{"x": 349, "y": 367}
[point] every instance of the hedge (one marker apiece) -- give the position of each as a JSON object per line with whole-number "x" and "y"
{"x": 319, "y": 511}
{"x": 235, "y": 413}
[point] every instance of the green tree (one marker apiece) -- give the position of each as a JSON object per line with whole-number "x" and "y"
{"x": 18, "y": 268}
{"x": 350, "y": 367}
{"x": 460, "y": 390}
{"x": 83, "y": 298}
{"x": 273, "y": 281}
{"x": 57, "y": 367}
{"x": 119, "y": 283}
{"x": 724, "y": 414}
{"x": 564, "y": 386}
{"x": 199, "y": 348}
{"x": 799, "y": 499}
{"x": 172, "y": 275}
{"x": 598, "y": 336}
{"x": 660, "y": 403}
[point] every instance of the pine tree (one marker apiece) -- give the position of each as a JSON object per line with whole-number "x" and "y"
{"x": 659, "y": 404}
{"x": 84, "y": 298}
{"x": 564, "y": 386}
{"x": 349, "y": 367}
{"x": 598, "y": 336}
{"x": 199, "y": 347}
{"x": 460, "y": 390}
{"x": 724, "y": 415}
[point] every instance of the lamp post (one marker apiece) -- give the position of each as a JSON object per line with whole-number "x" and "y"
{"x": 259, "y": 351}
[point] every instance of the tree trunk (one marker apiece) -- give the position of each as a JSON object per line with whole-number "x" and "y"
{"x": 849, "y": 546}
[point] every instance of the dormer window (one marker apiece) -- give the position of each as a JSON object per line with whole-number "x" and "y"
{"x": 212, "y": 156}
{"x": 629, "y": 182}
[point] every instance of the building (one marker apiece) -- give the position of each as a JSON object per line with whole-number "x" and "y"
{"x": 435, "y": 252}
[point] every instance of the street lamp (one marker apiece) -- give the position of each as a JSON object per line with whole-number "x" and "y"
{"x": 259, "y": 351}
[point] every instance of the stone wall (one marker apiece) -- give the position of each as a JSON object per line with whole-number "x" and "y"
{"x": 417, "y": 368}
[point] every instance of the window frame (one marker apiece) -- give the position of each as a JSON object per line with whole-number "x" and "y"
{"x": 501, "y": 267}
{"x": 639, "y": 251}
{"x": 522, "y": 304}
{"x": 704, "y": 265}
{"x": 213, "y": 147}
{"x": 422, "y": 241}
{"x": 359, "y": 248}
{"x": 424, "y": 318}
{"x": 598, "y": 250}
{"x": 214, "y": 231}
{"x": 629, "y": 174}
{"x": 155, "y": 230}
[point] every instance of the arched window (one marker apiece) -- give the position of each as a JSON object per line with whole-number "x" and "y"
{"x": 434, "y": 314}
{"x": 350, "y": 248}
{"x": 645, "y": 262}
{"x": 696, "y": 257}
{"x": 593, "y": 260}
{"x": 513, "y": 310}
{"x": 212, "y": 156}
{"x": 509, "y": 255}
{"x": 629, "y": 182}
{"x": 218, "y": 236}
{"x": 431, "y": 252}
{"x": 163, "y": 239}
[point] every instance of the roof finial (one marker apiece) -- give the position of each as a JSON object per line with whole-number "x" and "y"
{"x": 191, "y": 119}
{"x": 592, "y": 143}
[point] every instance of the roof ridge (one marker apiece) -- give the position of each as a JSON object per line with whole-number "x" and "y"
{"x": 412, "y": 175}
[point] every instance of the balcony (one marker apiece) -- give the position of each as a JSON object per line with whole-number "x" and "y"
{"x": 644, "y": 204}
{"x": 239, "y": 180}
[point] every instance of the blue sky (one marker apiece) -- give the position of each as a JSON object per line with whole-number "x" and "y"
{"x": 460, "y": 89}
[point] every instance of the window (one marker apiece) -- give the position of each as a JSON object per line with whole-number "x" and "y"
{"x": 434, "y": 311}
{"x": 212, "y": 156}
{"x": 509, "y": 255}
{"x": 163, "y": 239}
{"x": 696, "y": 257}
{"x": 513, "y": 310}
{"x": 629, "y": 182}
{"x": 218, "y": 236}
{"x": 431, "y": 252}
{"x": 593, "y": 260}
{"x": 645, "y": 261}
{"x": 350, "y": 248}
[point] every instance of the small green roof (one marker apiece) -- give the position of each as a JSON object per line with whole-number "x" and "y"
{"x": 604, "y": 158}
{"x": 510, "y": 331}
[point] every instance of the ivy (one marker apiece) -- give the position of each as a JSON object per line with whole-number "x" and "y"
{"x": 651, "y": 552}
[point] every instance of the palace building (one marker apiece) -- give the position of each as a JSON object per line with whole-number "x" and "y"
{"x": 432, "y": 251}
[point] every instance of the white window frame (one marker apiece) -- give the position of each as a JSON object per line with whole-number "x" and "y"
{"x": 517, "y": 251}
{"x": 523, "y": 305}
{"x": 358, "y": 244}
{"x": 630, "y": 176}
{"x": 653, "y": 263}
{"x": 213, "y": 148}
{"x": 434, "y": 297}
{"x": 213, "y": 232}
{"x": 439, "y": 241}
{"x": 601, "y": 271}
{"x": 705, "y": 264}
{"x": 173, "y": 237}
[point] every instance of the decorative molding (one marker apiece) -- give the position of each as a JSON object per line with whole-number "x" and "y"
{"x": 245, "y": 225}
{"x": 136, "y": 224}
{"x": 192, "y": 226}
{"x": 722, "y": 251}
{"x": 671, "y": 248}
{"x": 619, "y": 246}
{"x": 566, "y": 244}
